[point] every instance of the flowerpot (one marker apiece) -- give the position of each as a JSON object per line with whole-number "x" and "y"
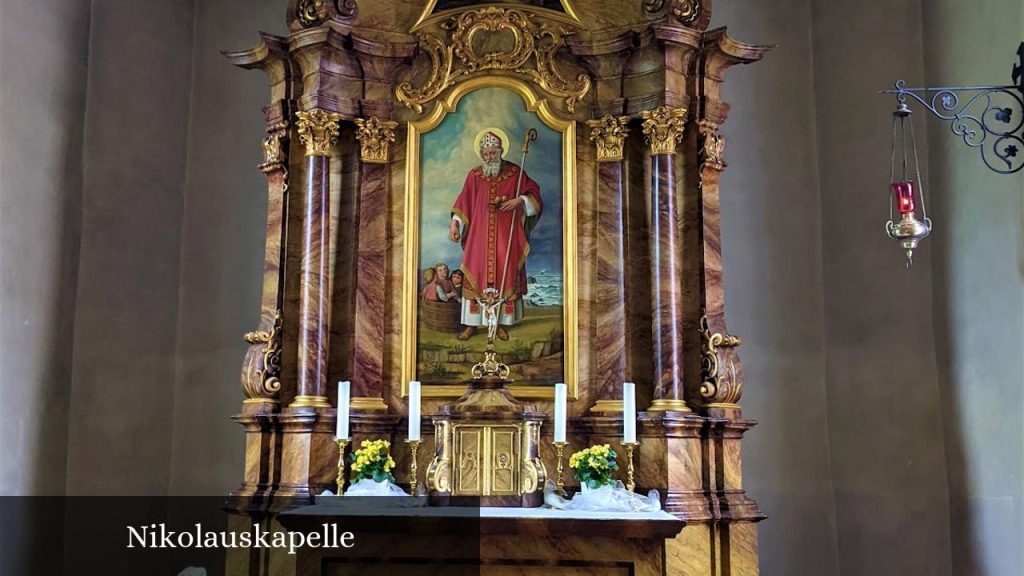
{"x": 368, "y": 487}
{"x": 604, "y": 488}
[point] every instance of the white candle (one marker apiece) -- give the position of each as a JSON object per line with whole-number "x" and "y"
{"x": 560, "y": 397}
{"x": 414, "y": 411}
{"x": 344, "y": 399}
{"x": 629, "y": 412}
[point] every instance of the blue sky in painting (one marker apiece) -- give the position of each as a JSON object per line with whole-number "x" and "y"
{"x": 447, "y": 155}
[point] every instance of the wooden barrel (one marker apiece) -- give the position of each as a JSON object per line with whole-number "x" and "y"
{"x": 441, "y": 316}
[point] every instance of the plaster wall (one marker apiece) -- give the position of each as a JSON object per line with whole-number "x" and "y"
{"x": 885, "y": 425}
{"x": 772, "y": 258}
{"x": 224, "y": 230}
{"x": 120, "y": 426}
{"x": 978, "y": 287}
{"x": 41, "y": 117}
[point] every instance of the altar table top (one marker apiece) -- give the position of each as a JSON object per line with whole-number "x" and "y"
{"x": 490, "y": 520}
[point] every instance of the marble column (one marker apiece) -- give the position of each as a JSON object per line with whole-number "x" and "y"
{"x": 609, "y": 134}
{"x": 318, "y": 130}
{"x": 375, "y": 136}
{"x": 663, "y": 128}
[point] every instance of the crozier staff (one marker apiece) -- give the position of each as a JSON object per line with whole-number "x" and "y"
{"x": 493, "y": 215}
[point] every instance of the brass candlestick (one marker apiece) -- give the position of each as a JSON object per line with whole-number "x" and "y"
{"x": 630, "y": 484}
{"x": 559, "y": 450}
{"x": 342, "y": 443}
{"x": 414, "y": 446}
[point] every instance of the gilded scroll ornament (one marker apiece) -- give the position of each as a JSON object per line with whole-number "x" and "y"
{"x": 273, "y": 149}
{"x": 261, "y": 369}
{"x": 439, "y": 471}
{"x": 318, "y": 130}
{"x": 346, "y": 9}
{"x": 532, "y": 53}
{"x": 712, "y": 387}
{"x": 312, "y": 12}
{"x": 685, "y": 11}
{"x": 374, "y": 136}
{"x": 609, "y": 134}
{"x": 663, "y": 128}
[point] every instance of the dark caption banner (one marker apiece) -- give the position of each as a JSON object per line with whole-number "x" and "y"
{"x": 214, "y": 536}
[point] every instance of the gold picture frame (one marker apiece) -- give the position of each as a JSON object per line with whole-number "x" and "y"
{"x": 567, "y": 128}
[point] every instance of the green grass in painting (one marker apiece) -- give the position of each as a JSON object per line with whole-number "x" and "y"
{"x": 444, "y": 359}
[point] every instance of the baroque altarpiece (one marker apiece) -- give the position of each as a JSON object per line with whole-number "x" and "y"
{"x": 613, "y": 110}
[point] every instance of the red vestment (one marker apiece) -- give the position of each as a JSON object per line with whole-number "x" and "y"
{"x": 485, "y": 235}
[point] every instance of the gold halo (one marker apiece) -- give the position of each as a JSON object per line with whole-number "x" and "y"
{"x": 480, "y": 136}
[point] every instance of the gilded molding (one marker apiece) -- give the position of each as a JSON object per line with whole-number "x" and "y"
{"x": 310, "y": 402}
{"x": 375, "y": 135}
{"x": 609, "y": 134}
{"x": 261, "y": 370}
{"x": 668, "y": 405}
{"x": 318, "y": 131}
{"x": 713, "y": 148}
{"x": 716, "y": 386}
{"x": 534, "y": 44}
{"x": 273, "y": 148}
{"x": 663, "y": 128}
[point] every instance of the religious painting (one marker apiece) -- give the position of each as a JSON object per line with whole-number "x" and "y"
{"x": 491, "y": 235}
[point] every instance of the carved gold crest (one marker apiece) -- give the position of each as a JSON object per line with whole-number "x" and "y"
{"x": 531, "y": 53}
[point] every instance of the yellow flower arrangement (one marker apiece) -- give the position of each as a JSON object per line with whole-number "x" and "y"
{"x": 373, "y": 461}
{"x": 594, "y": 465}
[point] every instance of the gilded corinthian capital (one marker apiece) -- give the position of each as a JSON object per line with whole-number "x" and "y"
{"x": 663, "y": 128}
{"x": 318, "y": 130}
{"x": 609, "y": 134}
{"x": 374, "y": 136}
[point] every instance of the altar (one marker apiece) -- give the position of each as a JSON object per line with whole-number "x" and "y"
{"x": 481, "y": 540}
{"x": 493, "y": 246}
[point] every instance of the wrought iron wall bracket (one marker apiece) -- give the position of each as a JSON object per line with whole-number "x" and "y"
{"x": 989, "y": 118}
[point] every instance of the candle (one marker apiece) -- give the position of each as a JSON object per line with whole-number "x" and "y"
{"x": 344, "y": 399}
{"x": 560, "y": 395}
{"x": 414, "y": 411}
{"x": 629, "y": 412}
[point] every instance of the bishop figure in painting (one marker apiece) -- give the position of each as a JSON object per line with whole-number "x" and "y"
{"x": 492, "y": 217}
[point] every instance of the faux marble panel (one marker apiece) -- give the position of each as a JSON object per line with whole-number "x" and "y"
{"x": 637, "y": 247}
{"x": 739, "y": 549}
{"x": 587, "y": 228}
{"x": 691, "y": 552}
{"x": 610, "y": 315}
{"x": 370, "y": 286}
{"x": 344, "y": 186}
